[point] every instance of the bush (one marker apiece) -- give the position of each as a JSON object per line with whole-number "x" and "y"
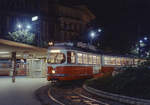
{"x": 134, "y": 81}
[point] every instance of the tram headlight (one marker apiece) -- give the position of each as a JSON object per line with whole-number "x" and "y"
{"x": 53, "y": 71}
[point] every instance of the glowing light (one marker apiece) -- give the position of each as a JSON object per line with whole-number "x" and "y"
{"x": 53, "y": 71}
{"x": 28, "y": 27}
{"x": 50, "y": 43}
{"x": 92, "y": 34}
{"x": 55, "y": 51}
{"x": 141, "y": 41}
{"x": 99, "y": 30}
{"x": 35, "y": 18}
{"x": 4, "y": 52}
{"x": 19, "y": 26}
{"x": 145, "y": 38}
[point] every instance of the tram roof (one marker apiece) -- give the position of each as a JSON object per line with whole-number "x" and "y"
{"x": 97, "y": 51}
{"x": 77, "y": 49}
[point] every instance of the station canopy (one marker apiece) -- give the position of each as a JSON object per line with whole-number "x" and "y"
{"x": 22, "y": 50}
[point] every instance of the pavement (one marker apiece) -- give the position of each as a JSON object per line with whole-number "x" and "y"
{"x": 21, "y": 92}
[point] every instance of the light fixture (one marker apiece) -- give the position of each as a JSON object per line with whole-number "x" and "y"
{"x": 54, "y": 51}
{"x": 99, "y": 30}
{"x": 35, "y": 18}
{"x": 92, "y": 34}
{"x": 145, "y": 38}
{"x": 53, "y": 71}
{"x": 141, "y": 41}
{"x": 19, "y": 26}
{"x": 28, "y": 27}
{"x": 4, "y": 52}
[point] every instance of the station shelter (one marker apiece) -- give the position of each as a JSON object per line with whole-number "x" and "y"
{"x": 30, "y": 60}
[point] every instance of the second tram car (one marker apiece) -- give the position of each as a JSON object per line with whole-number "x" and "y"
{"x": 66, "y": 62}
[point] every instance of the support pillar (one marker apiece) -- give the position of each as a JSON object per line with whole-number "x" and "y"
{"x": 13, "y": 59}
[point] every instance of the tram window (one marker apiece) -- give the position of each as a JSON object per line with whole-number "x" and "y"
{"x": 90, "y": 59}
{"x": 94, "y": 59}
{"x": 79, "y": 58}
{"x": 107, "y": 60}
{"x": 113, "y": 61}
{"x": 136, "y": 61}
{"x": 85, "y": 58}
{"x": 118, "y": 61}
{"x": 98, "y": 60}
{"x": 56, "y": 58}
{"x": 71, "y": 58}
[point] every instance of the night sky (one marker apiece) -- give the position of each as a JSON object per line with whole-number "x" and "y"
{"x": 123, "y": 21}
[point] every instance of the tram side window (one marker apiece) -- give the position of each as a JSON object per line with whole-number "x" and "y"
{"x": 98, "y": 60}
{"x": 90, "y": 59}
{"x": 107, "y": 60}
{"x": 118, "y": 61}
{"x": 71, "y": 58}
{"x": 79, "y": 56}
{"x": 113, "y": 61}
{"x": 136, "y": 61}
{"x": 94, "y": 59}
{"x": 85, "y": 58}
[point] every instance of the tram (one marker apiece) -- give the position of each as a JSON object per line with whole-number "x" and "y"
{"x": 66, "y": 62}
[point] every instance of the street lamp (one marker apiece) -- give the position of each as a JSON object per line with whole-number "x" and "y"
{"x": 99, "y": 30}
{"x": 92, "y": 35}
{"x": 19, "y": 26}
{"x": 35, "y": 18}
{"x": 141, "y": 41}
{"x": 28, "y": 27}
{"x": 145, "y": 38}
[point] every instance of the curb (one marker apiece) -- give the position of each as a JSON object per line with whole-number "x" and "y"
{"x": 116, "y": 97}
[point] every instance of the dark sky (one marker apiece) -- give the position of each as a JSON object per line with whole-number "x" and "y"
{"x": 123, "y": 21}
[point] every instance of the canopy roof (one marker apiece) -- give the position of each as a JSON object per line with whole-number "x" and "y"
{"x": 6, "y": 47}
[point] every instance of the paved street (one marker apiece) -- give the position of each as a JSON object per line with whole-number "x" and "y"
{"x": 21, "y": 92}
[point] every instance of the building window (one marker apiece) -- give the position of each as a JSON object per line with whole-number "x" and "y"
{"x": 79, "y": 55}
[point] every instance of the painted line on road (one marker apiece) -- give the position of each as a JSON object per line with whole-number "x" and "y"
{"x": 51, "y": 97}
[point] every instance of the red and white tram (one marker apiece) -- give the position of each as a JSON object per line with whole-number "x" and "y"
{"x": 69, "y": 63}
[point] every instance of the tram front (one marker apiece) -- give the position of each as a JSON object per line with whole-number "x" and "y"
{"x": 55, "y": 62}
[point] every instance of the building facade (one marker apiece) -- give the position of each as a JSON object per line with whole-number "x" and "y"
{"x": 56, "y": 21}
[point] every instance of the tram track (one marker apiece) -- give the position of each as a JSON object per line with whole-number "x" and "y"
{"x": 76, "y": 96}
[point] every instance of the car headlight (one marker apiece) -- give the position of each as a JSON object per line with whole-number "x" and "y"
{"x": 53, "y": 71}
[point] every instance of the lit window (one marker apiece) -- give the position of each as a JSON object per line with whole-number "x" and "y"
{"x": 71, "y": 58}
{"x": 79, "y": 58}
{"x": 85, "y": 58}
{"x": 118, "y": 61}
{"x": 98, "y": 60}
{"x": 136, "y": 61}
{"x": 90, "y": 59}
{"x": 94, "y": 59}
{"x": 107, "y": 60}
{"x": 113, "y": 61}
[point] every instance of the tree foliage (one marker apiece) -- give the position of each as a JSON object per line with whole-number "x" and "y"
{"x": 23, "y": 36}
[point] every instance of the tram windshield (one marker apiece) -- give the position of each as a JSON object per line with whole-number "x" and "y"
{"x": 56, "y": 58}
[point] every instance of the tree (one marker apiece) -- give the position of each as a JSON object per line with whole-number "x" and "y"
{"x": 23, "y": 36}
{"x": 141, "y": 48}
